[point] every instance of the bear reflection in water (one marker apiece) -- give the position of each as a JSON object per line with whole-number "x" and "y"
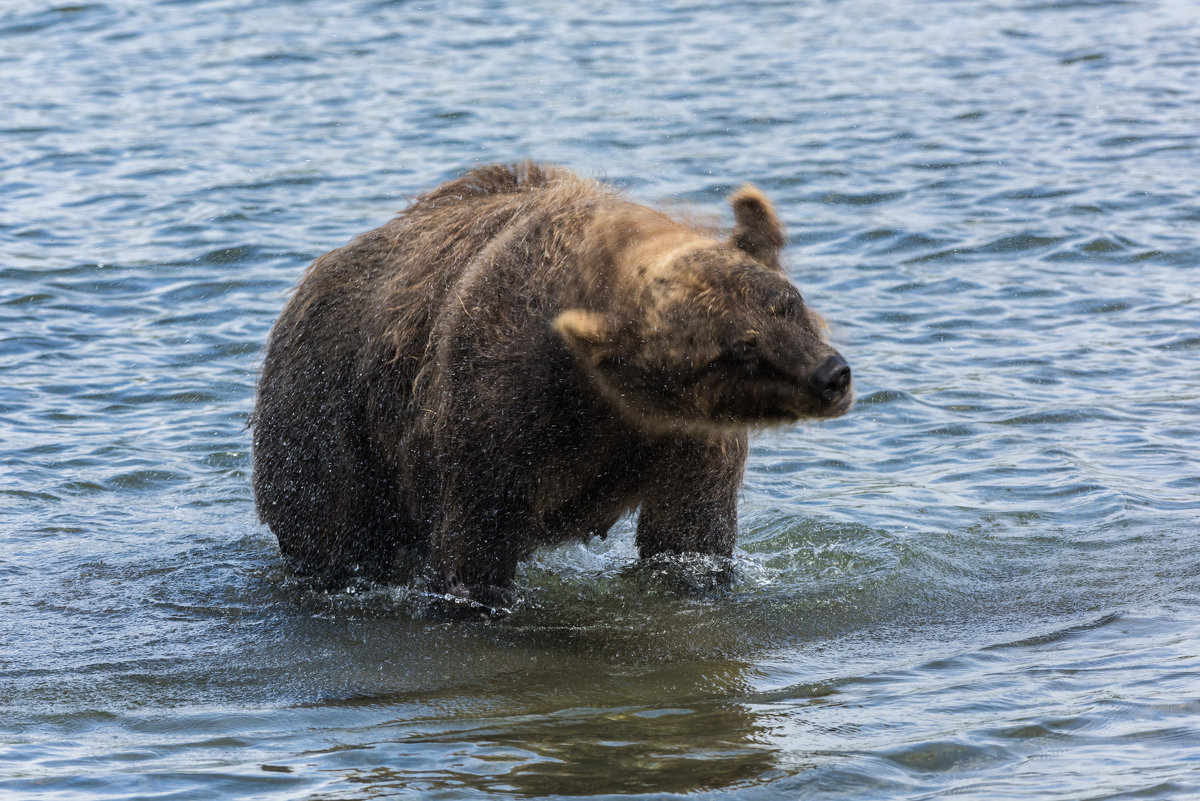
{"x": 518, "y": 359}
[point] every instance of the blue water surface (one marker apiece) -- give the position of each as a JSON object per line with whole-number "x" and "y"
{"x": 982, "y": 583}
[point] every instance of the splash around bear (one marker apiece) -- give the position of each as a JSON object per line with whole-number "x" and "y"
{"x": 518, "y": 359}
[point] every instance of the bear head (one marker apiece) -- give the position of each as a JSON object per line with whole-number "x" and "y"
{"x": 702, "y": 333}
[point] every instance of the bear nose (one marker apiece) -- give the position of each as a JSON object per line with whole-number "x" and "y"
{"x": 831, "y": 380}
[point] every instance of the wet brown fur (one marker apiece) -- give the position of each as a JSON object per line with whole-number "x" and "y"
{"x": 518, "y": 359}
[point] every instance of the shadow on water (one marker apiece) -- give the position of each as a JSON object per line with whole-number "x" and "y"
{"x": 571, "y": 728}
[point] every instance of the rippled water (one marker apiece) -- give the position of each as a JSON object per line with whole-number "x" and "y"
{"x": 981, "y": 583}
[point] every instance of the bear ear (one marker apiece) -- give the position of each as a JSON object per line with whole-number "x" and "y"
{"x": 756, "y": 230}
{"x": 588, "y": 332}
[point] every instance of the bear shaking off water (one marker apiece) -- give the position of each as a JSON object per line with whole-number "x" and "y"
{"x": 517, "y": 360}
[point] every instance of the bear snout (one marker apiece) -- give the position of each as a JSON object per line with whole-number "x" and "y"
{"x": 831, "y": 380}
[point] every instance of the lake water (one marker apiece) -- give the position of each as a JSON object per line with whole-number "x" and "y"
{"x": 982, "y": 583}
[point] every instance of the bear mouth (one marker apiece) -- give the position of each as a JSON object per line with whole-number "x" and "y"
{"x": 836, "y": 407}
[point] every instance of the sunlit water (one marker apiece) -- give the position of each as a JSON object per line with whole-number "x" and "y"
{"x": 979, "y": 584}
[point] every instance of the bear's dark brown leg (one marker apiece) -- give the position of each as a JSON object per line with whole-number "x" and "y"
{"x": 481, "y": 513}
{"x": 691, "y": 506}
{"x": 473, "y": 562}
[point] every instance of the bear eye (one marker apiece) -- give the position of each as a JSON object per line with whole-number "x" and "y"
{"x": 738, "y": 354}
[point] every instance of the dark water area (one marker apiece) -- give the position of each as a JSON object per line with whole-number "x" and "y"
{"x": 981, "y": 583}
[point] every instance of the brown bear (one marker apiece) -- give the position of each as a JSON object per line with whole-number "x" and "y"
{"x": 518, "y": 359}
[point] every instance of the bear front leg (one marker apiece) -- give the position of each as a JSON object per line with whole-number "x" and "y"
{"x": 690, "y": 503}
{"x": 478, "y": 540}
